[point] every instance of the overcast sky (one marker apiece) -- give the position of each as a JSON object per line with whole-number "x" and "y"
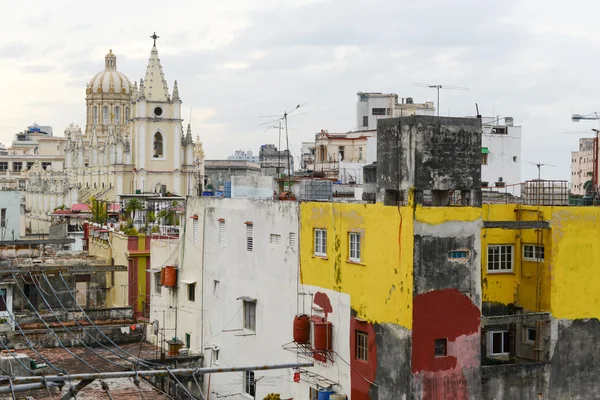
{"x": 238, "y": 60}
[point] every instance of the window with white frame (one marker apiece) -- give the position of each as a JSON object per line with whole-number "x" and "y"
{"x": 529, "y": 335}
{"x": 292, "y": 239}
{"x": 498, "y": 343}
{"x": 250, "y": 315}
{"x": 105, "y": 115}
{"x": 320, "y": 242}
{"x": 222, "y": 233}
{"x": 126, "y": 115}
{"x": 500, "y": 257}
{"x": 117, "y": 115}
{"x": 532, "y": 252}
{"x": 249, "y": 237}
{"x": 249, "y": 383}
{"x": 355, "y": 246}
{"x": 275, "y": 238}
{"x": 157, "y": 285}
{"x": 95, "y": 115}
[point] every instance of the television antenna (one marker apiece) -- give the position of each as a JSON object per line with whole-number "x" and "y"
{"x": 283, "y": 118}
{"x": 539, "y": 166}
{"x": 438, "y": 87}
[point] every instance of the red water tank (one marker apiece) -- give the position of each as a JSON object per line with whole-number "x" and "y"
{"x": 322, "y": 335}
{"x": 301, "y": 328}
{"x": 162, "y": 276}
{"x": 170, "y": 276}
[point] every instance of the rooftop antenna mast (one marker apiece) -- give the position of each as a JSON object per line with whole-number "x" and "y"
{"x": 539, "y": 166}
{"x": 284, "y": 118}
{"x": 438, "y": 87}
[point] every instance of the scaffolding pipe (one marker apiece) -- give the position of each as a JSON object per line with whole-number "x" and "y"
{"x": 155, "y": 372}
{"x": 26, "y": 387}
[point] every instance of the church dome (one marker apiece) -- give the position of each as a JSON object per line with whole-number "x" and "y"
{"x": 110, "y": 80}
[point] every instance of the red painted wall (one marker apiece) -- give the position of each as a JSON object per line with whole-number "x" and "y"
{"x": 362, "y": 369}
{"x": 444, "y": 314}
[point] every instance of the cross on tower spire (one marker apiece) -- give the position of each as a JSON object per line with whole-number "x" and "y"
{"x": 154, "y": 36}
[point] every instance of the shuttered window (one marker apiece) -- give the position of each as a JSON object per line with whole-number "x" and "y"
{"x": 195, "y": 230}
{"x": 249, "y": 237}
{"x": 222, "y": 233}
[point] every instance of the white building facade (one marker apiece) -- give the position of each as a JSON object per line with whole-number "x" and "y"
{"x": 582, "y": 166}
{"x": 372, "y": 107}
{"x": 501, "y": 156}
{"x": 238, "y": 291}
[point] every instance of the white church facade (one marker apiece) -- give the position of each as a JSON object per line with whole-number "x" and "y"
{"x": 133, "y": 142}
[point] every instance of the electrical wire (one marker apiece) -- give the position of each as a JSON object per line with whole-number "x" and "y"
{"x": 60, "y": 343}
{"x": 147, "y": 364}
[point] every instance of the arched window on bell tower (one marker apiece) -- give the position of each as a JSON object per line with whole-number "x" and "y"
{"x": 105, "y": 115}
{"x": 126, "y": 115}
{"x": 95, "y": 115}
{"x": 117, "y": 115}
{"x": 158, "y": 145}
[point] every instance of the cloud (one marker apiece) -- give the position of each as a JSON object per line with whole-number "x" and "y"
{"x": 238, "y": 60}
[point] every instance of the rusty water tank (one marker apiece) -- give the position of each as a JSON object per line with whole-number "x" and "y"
{"x": 170, "y": 276}
{"x": 322, "y": 331}
{"x": 162, "y": 276}
{"x": 301, "y": 328}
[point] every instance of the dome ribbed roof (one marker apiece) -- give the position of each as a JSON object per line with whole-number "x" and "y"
{"x": 110, "y": 79}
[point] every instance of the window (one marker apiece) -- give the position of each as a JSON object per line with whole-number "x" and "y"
{"x": 4, "y": 166}
{"x": 158, "y": 145}
{"x": 126, "y": 114}
{"x": 215, "y": 355}
{"x": 515, "y": 159}
{"x": 17, "y": 166}
{"x": 362, "y": 345}
{"x": 499, "y": 343}
{"x": 188, "y": 340}
{"x": 105, "y": 115}
{"x": 117, "y": 115}
{"x": 365, "y": 121}
{"x": 341, "y": 152}
{"x": 195, "y": 230}
{"x": 441, "y": 347}
{"x": 458, "y": 254}
{"x": 191, "y": 291}
{"x": 378, "y": 111}
{"x": 45, "y": 165}
{"x": 292, "y": 239}
{"x": 275, "y": 238}
{"x": 3, "y": 218}
{"x": 95, "y": 115}
{"x": 354, "y": 246}
{"x": 3, "y": 299}
{"x": 530, "y": 335}
{"x": 249, "y": 383}
{"x": 157, "y": 285}
{"x": 216, "y": 288}
{"x": 484, "y": 159}
{"x": 320, "y": 242}
{"x": 250, "y": 315}
{"x": 360, "y": 154}
{"x": 533, "y": 253}
{"x": 249, "y": 236}
{"x": 222, "y": 233}
{"x": 500, "y": 258}
{"x": 29, "y": 165}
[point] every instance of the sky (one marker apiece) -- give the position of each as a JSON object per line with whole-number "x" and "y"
{"x": 238, "y": 60}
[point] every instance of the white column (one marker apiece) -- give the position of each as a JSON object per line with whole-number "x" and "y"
{"x": 141, "y": 147}
{"x": 177, "y": 147}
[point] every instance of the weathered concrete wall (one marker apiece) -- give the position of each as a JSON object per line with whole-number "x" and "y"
{"x": 575, "y": 364}
{"x": 516, "y": 381}
{"x": 393, "y": 368}
{"x": 428, "y": 153}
